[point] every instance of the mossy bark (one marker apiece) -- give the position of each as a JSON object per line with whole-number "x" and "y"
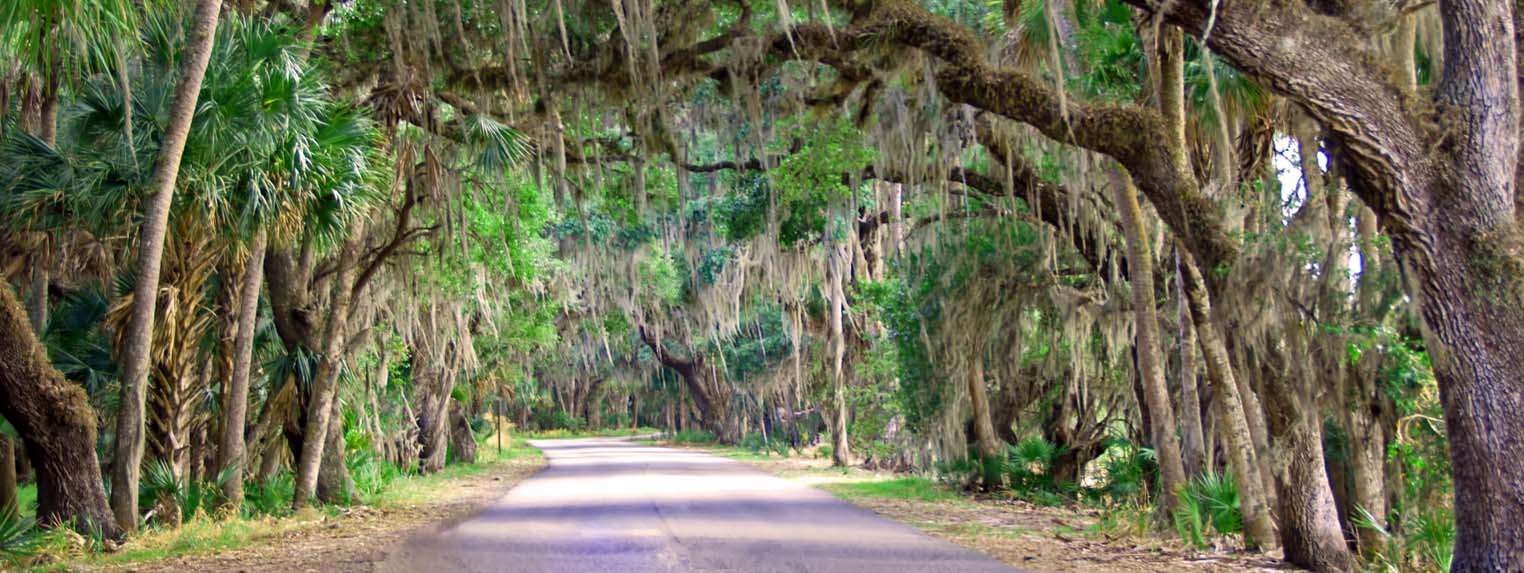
{"x": 56, "y": 424}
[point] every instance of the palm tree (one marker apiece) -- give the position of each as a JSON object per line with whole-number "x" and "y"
{"x": 129, "y": 435}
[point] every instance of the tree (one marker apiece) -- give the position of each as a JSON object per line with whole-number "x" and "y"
{"x": 56, "y": 425}
{"x": 129, "y": 435}
{"x": 232, "y": 451}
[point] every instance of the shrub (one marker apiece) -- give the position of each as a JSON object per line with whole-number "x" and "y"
{"x": 1208, "y": 503}
{"x": 18, "y": 536}
{"x": 693, "y": 437}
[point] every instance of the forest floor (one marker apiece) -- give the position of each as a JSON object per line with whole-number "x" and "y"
{"x": 330, "y": 540}
{"x": 1021, "y": 534}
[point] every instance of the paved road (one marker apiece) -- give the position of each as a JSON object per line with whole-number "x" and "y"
{"x": 613, "y": 505}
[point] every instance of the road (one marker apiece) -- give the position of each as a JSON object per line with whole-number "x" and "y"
{"x": 615, "y": 505}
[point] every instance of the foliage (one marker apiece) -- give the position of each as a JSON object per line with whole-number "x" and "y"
{"x": 18, "y": 536}
{"x": 1208, "y": 505}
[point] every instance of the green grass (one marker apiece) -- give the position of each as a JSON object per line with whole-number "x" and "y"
{"x": 909, "y": 488}
{"x": 26, "y": 499}
{"x": 208, "y": 534}
{"x": 416, "y": 489}
{"x": 603, "y": 433}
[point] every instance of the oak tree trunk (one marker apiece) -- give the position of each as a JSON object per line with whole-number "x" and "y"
{"x": 325, "y": 380}
{"x": 56, "y": 424}
{"x": 1310, "y": 532}
{"x": 334, "y": 484}
{"x": 462, "y": 440}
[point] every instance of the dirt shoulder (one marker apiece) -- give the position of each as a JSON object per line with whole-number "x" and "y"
{"x": 1020, "y": 534}
{"x": 354, "y": 539}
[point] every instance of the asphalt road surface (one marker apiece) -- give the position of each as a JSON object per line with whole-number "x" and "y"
{"x": 614, "y": 505}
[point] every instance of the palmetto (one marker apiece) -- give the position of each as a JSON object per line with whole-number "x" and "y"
{"x": 269, "y": 148}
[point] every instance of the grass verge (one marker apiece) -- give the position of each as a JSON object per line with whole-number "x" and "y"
{"x": 408, "y": 501}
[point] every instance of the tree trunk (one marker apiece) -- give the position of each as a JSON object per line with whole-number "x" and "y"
{"x": 9, "y": 498}
{"x": 462, "y": 440}
{"x": 1309, "y": 522}
{"x": 434, "y": 418}
{"x": 135, "y": 356}
{"x": 270, "y": 462}
{"x": 334, "y": 485}
{"x": 1192, "y": 437}
{"x": 56, "y": 424}
{"x": 325, "y": 380}
{"x": 1259, "y": 530}
{"x": 236, "y": 394}
{"x": 840, "y": 455}
{"x": 1146, "y": 327}
{"x": 986, "y": 442}
{"x": 1367, "y": 437}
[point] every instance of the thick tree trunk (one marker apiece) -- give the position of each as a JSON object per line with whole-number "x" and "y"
{"x": 713, "y": 407}
{"x": 1309, "y": 522}
{"x": 56, "y": 424}
{"x": 462, "y": 440}
{"x": 1146, "y": 327}
{"x": 334, "y": 484}
{"x": 236, "y": 394}
{"x": 135, "y": 356}
{"x": 1259, "y": 530}
{"x": 433, "y": 425}
{"x": 325, "y": 380}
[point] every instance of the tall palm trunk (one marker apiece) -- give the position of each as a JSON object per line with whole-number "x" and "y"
{"x": 129, "y": 434}
{"x": 1258, "y": 529}
{"x": 1146, "y": 326}
{"x": 232, "y": 451}
{"x": 56, "y": 424}
{"x": 840, "y": 456}
{"x": 1367, "y": 437}
{"x": 1192, "y": 436}
{"x": 325, "y": 381}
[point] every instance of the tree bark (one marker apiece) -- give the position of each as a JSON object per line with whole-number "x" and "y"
{"x": 986, "y": 442}
{"x": 56, "y": 424}
{"x": 1367, "y": 436}
{"x": 1309, "y": 522}
{"x": 9, "y": 497}
{"x": 840, "y": 454}
{"x": 433, "y": 422}
{"x": 1258, "y": 529}
{"x": 129, "y": 435}
{"x": 334, "y": 484}
{"x": 462, "y": 440}
{"x": 1192, "y": 436}
{"x": 1146, "y": 327}
{"x": 232, "y": 452}
{"x": 325, "y": 381}
{"x": 713, "y": 407}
